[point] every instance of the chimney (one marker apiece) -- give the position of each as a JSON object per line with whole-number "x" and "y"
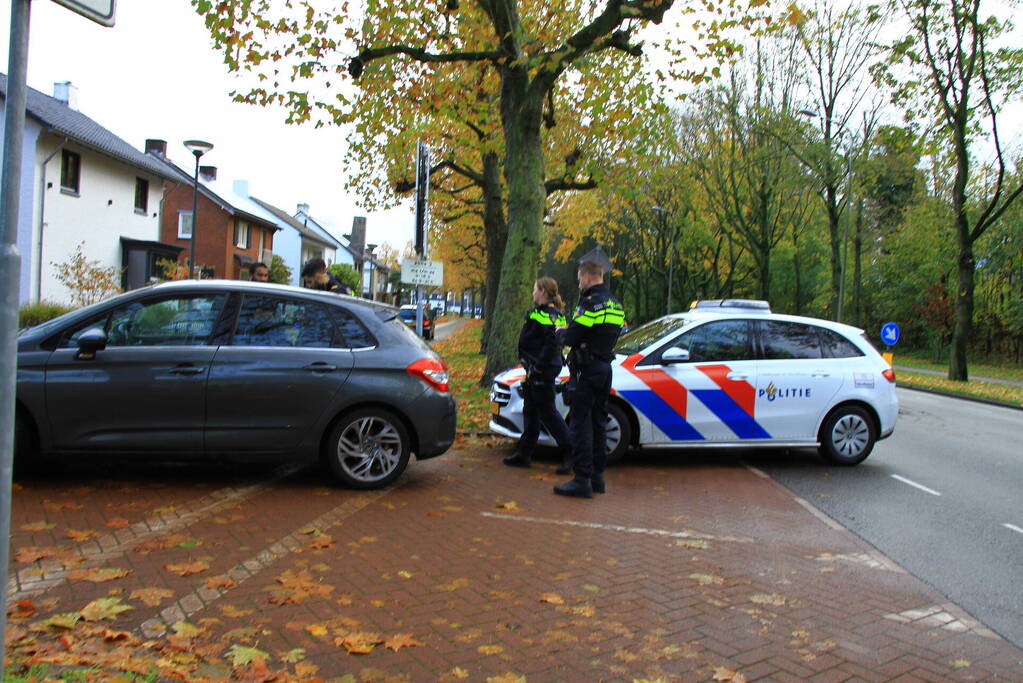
{"x": 358, "y": 237}
{"x": 303, "y": 208}
{"x": 156, "y": 147}
{"x": 208, "y": 173}
{"x": 66, "y": 93}
{"x": 241, "y": 188}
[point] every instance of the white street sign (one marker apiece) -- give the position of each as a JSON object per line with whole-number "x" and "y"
{"x": 100, "y": 11}
{"x": 416, "y": 272}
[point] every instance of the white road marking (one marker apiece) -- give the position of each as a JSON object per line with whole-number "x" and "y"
{"x": 916, "y": 485}
{"x": 616, "y": 527}
{"x": 1013, "y": 527}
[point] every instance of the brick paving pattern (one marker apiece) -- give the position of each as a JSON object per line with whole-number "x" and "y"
{"x": 681, "y": 572}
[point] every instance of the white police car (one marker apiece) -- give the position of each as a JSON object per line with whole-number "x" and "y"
{"x": 731, "y": 373}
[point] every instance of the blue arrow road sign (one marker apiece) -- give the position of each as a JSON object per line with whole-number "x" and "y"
{"x": 890, "y": 334}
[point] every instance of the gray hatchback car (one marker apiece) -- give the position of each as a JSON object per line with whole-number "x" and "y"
{"x": 198, "y": 369}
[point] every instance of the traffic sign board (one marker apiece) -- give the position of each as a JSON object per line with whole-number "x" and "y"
{"x": 890, "y": 334}
{"x": 100, "y": 11}
{"x": 419, "y": 272}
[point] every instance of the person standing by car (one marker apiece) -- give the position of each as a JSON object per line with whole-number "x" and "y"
{"x": 316, "y": 276}
{"x": 258, "y": 272}
{"x": 541, "y": 356}
{"x": 592, "y": 336}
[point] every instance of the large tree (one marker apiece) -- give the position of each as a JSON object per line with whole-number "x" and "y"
{"x": 956, "y": 76}
{"x": 530, "y": 48}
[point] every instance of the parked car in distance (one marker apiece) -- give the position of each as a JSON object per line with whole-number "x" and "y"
{"x": 731, "y": 373}
{"x": 242, "y": 370}
{"x": 408, "y": 316}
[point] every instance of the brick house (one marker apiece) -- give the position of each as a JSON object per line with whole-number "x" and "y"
{"x": 232, "y": 231}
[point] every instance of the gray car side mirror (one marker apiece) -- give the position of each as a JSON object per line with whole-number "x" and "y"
{"x": 89, "y": 342}
{"x": 675, "y": 355}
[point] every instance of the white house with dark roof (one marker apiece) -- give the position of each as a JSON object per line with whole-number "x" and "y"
{"x": 81, "y": 184}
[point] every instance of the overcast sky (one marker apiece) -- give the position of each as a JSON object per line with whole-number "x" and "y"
{"x": 155, "y": 75}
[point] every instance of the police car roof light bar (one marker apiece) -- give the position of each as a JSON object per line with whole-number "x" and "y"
{"x": 740, "y": 305}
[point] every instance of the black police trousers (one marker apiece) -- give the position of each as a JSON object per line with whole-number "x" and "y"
{"x": 588, "y": 418}
{"x": 538, "y": 408}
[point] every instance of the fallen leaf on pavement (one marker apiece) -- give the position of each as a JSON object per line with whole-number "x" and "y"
{"x": 104, "y": 608}
{"x": 489, "y": 649}
{"x": 77, "y": 535}
{"x": 400, "y": 640}
{"x": 510, "y": 506}
{"x": 98, "y": 574}
{"x": 295, "y": 587}
{"x": 118, "y": 523}
{"x": 506, "y": 678}
{"x": 359, "y": 643}
{"x": 454, "y": 585}
{"x": 768, "y": 599}
{"x": 221, "y": 581}
{"x": 66, "y": 620}
{"x": 21, "y": 609}
{"x": 241, "y": 655}
{"x": 318, "y": 630}
{"x": 322, "y": 541}
{"x": 61, "y": 505}
{"x": 723, "y": 673}
{"x": 552, "y": 598}
{"x": 37, "y": 526}
{"x": 707, "y": 579}
{"x": 292, "y": 656}
{"x": 32, "y": 553}
{"x": 187, "y": 568}
{"x": 959, "y": 663}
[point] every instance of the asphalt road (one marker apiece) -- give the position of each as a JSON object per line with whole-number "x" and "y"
{"x": 943, "y": 497}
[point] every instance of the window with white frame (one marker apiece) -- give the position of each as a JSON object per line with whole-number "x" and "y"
{"x": 241, "y": 234}
{"x": 184, "y": 225}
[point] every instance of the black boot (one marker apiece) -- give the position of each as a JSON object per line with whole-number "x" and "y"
{"x": 566, "y": 464}
{"x": 577, "y": 488}
{"x": 597, "y": 483}
{"x": 518, "y": 460}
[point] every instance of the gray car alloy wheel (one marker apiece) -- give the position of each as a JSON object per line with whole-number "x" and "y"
{"x": 370, "y": 449}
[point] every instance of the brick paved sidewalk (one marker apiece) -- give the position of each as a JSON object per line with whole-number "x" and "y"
{"x": 468, "y": 570}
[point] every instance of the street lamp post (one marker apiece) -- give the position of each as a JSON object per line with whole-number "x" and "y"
{"x": 844, "y": 247}
{"x": 197, "y": 148}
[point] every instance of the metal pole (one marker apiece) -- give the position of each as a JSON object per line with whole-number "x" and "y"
{"x": 844, "y": 248}
{"x": 195, "y": 223}
{"x": 10, "y": 277}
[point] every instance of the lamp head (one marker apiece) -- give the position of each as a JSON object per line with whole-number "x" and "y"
{"x": 198, "y": 147}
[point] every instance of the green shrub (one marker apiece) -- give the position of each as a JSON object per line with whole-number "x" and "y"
{"x": 38, "y": 313}
{"x": 348, "y": 275}
{"x": 280, "y": 273}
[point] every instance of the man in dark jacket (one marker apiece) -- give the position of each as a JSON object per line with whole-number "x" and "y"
{"x": 592, "y": 335}
{"x": 316, "y": 276}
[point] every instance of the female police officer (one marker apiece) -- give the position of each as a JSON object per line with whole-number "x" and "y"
{"x": 541, "y": 356}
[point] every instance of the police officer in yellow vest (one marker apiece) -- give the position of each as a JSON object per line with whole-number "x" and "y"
{"x": 541, "y": 356}
{"x": 592, "y": 336}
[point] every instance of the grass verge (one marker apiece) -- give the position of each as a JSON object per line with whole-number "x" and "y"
{"x": 975, "y": 369}
{"x": 972, "y": 389}
{"x": 465, "y": 366}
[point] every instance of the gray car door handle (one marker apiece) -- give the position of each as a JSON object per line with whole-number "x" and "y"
{"x": 187, "y": 370}
{"x": 820, "y": 374}
{"x": 320, "y": 367}
{"x": 737, "y": 376}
